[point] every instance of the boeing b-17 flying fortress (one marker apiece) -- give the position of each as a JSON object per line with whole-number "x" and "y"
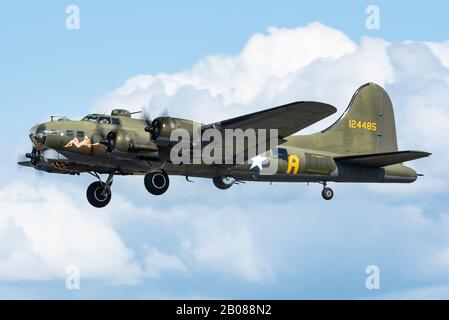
{"x": 361, "y": 146}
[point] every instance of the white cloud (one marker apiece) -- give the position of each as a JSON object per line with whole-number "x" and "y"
{"x": 314, "y": 62}
{"x": 158, "y": 263}
{"x": 310, "y": 63}
{"x": 254, "y": 234}
{"x": 224, "y": 242}
{"x": 440, "y": 50}
{"x": 221, "y": 243}
{"x": 44, "y": 231}
{"x": 262, "y": 242}
{"x": 231, "y": 81}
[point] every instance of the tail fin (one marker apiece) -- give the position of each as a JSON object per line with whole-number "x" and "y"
{"x": 367, "y": 126}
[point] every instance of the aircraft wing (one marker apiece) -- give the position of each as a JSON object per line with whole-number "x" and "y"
{"x": 287, "y": 119}
{"x": 382, "y": 159}
{"x": 60, "y": 167}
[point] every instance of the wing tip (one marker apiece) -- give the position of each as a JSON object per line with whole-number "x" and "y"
{"x": 422, "y": 153}
{"x": 324, "y": 107}
{"x": 25, "y": 163}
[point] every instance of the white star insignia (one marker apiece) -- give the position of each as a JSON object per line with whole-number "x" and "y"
{"x": 257, "y": 161}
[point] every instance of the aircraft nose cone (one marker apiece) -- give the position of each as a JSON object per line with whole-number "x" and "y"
{"x": 38, "y": 136}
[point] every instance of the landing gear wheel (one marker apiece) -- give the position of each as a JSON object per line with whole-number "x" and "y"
{"x": 157, "y": 182}
{"x": 98, "y": 195}
{"x": 327, "y": 193}
{"x": 224, "y": 182}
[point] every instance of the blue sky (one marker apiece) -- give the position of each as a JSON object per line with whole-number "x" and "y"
{"x": 118, "y": 41}
{"x": 272, "y": 242}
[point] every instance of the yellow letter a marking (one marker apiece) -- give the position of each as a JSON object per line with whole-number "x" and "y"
{"x": 293, "y": 164}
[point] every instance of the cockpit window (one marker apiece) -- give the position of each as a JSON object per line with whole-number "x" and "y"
{"x": 90, "y": 118}
{"x": 115, "y": 121}
{"x": 104, "y": 120}
{"x": 38, "y": 134}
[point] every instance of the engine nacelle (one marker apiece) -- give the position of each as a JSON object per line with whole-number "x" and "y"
{"x": 124, "y": 141}
{"x": 126, "y": 144}
{"x": 162, "y": 128}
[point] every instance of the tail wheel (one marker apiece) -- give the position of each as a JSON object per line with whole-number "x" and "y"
{"x": 157, "y": 182}
{"x": 97, "y": 195}
{"x": 327, "y": 193}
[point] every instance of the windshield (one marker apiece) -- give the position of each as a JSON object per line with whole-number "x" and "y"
{"x": 90, "y": 118}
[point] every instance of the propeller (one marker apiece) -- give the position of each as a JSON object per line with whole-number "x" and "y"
{"x": 153, "y": 126}
{"x": 109, "y": 141}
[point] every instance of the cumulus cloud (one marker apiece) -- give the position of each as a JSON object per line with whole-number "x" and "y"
{"x": 225, "y": 243}
{"x": 314, "y": 62}
{"x": 440, "y": 50}
{"x": 230, "y": 82}
{"x": 221, "y": 243}
{"x": 281, "y": 235}
{"x": 159, "y": 262}
{"x": 44, "y": 231}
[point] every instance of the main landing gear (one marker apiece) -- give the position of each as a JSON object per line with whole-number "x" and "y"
{"x": 99, "y": 193}
{"x": 327, "y": 193}
{"x": 157, "y": 182}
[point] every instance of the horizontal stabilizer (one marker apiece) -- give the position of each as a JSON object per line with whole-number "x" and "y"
{"x": 381, "y": 159}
